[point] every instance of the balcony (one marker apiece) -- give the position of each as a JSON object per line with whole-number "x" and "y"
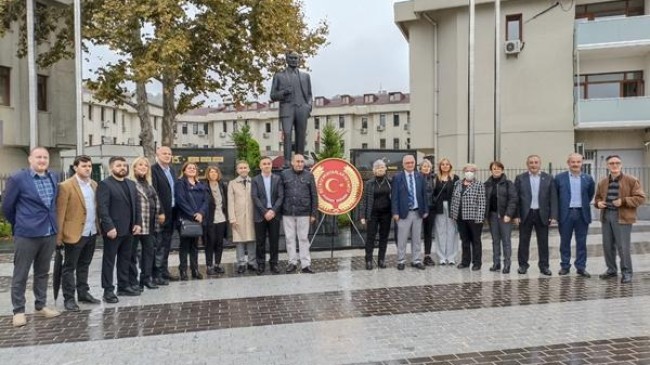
{"x": 614, "y": 113}
{"x": 628, "y": 35}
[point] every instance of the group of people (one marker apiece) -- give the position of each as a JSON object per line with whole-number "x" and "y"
{"x": 136, "y": 210}
{"x": 421, "y": 200}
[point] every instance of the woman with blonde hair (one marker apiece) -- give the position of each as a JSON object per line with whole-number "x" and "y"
{"x": 152, "y": 217}
{"x": 446, "y": 233}
{"x": 215, "y": 220}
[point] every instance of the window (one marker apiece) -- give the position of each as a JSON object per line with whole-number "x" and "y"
{"x": 316, "y": 147}
{"x": 396, "y": 143}
{"x": 5, "y": 86}
{"x": 90, "y": 112}
{"x": 364, "y": 122}
{"x": 184, "y": 128}
{"x": 610, "y": 9}
{"x": 195, "y": 128}
{"x": 369, "y": 98}
{"x": 123, "y": 125}
{"x": 364, "y": 146}
{"x": 102, "y": 114}
{"x": 234, "y": 126}
{"x": 114, "y": 140}
{"x": 268, "y": 148}
{"x": 341, "y": 121}
{"x": 513, "y": 27}
{"x": 382, "y": 143}
{"x": 225, "y": 127}
{"x": 395, "y": 120}
{"x": 205, "y": 128}
{"x": 155, "y": 123}
{"x": 90, "y": 139}
{"x": 41, "y": 93}
{"x": 408, "y": 143}
{"x": 382, "y": 120}
{"x": 114, "y": 116}
{"x": 267, "y": 127}
{"x": 393, "y": 97}
{"x": 610, "y": 85}
{"x": 316, "y": 123}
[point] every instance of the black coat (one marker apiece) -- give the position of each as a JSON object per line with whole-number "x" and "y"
{"x": 506, "y": 196}
{"x": 547, "y": 196}
{"x": 442, "y": 191}
{"x": 258, "y": 193}
{"x": 164, "y": 190}
{"x": 367, "y": 203}
{"x": 300, "y": 196}
{"x": 115, "y": 209}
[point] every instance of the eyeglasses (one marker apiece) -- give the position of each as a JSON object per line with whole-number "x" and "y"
{"x": 614, "y": 163}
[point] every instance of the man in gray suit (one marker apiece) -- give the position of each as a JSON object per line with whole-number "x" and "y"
{"x": 292, "y": 88}
{"x": 537, "y": 209}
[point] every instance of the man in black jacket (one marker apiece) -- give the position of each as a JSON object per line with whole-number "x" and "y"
{"x": 120, "y": 218}
{"x": 268, "y": 194}
{"x": 299, "y": 210}
{"x": 163, "y": 178}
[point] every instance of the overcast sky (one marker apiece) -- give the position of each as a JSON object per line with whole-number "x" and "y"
{"x": 366, "y": 50}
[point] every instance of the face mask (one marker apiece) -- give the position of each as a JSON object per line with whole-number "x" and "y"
{"x": 469, "y": 175}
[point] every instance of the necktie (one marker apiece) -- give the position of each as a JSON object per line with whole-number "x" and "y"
{"x": 411, "y": 190}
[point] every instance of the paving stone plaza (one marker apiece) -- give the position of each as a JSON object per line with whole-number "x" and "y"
{"x": 345, "y": 314}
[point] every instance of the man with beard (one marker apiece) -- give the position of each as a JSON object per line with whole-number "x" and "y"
{"x": 120, "y": 218}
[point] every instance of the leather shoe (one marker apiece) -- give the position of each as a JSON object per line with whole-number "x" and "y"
{"x": 607, "y": 275}
{"x": 150, "y": 284}
{"x": 251, "y": 267}
{"x": 161, "y": 281}
{"x": 307, "y": 270}
{"x": 496, "y": 267}
{"x": 209, "y": 271}
{"x": 241, "y": 269}
{"x": 219, "y": 269}
{"x": 428, "y": 261}
{"x": 275, "y": 269}
{"x": 626, "y": 279}
{"x": 260, "y": 269}
{"x": 418, "y": 266}
{"x": 462, "y": 266}
{"x": 400, "y": 267}
{"x": 584, "y": 273}
{"x": 522, "y": 270}
{"x": 128, "y": 292}
{"x": 381, "y": 264}
{"x": 87, "y": 298}
{"x": 368, "y": 265}
{"x": 476, "y": 267}
{"x": 197, "y": 275}
{"x": 506, "y": 269}
{"x": 183, "y": 276}
{"x": 110, "y": 297}
{"x": 564, "y": 271}
{"x": 291, "y": 268}
{"x": 546, "y": 271}
{"x": 171, "y": 277}
{"x": 71, "y": 305}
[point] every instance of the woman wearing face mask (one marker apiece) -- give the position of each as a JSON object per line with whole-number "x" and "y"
{"x": 426, "y": 168}
{"x": 468, "y": 210}
{"x": 375, "y": 213}
{"x": 501, "y": 207}
{"x": 446, "y": 233}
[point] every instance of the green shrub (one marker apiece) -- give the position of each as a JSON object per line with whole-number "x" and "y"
{"x": 5, "y": 229}
{"x": 343, "y": 220}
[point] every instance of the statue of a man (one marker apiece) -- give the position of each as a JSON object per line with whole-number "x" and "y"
{"x": 292, "y": 88}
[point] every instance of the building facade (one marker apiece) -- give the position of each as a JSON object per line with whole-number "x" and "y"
{"x": 571, "y": 78}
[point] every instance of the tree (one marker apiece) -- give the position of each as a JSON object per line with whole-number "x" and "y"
{"x": 332, "y": 139}
{"x": 248, "y": 149}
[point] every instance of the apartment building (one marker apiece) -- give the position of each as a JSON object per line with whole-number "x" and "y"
{"x": 55, "y": 103}
{"x": 572, "y": 77}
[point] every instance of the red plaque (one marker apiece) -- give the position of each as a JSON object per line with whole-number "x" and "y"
{"x": 339, "y": 186}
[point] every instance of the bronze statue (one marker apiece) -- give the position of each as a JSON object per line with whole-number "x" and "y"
{"x": 292, "y": 88}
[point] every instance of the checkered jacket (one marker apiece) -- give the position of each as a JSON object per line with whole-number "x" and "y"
{"x": 473, "y": 199}
{"x": 149, "y": 203}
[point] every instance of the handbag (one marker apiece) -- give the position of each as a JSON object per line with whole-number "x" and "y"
{"x": 191, "y": 228}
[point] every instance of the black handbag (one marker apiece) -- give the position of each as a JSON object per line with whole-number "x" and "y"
{"x": 191, "y": 228}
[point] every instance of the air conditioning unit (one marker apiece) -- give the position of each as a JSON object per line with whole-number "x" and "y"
{"x": 201, "y": 132}
{"x": 513, "y": 46}
{"x": 266, "y": 135}
{"x": 381, "y": 128}
{"x": 105, "y": 124}
{"x": 364, "y": 130}
{"x": 222, "y": 134}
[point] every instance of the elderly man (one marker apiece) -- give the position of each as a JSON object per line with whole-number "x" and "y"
{"x": 617, "y": 196}
{"x": 163, "y": 178}
{"x": 29, "y": 204}
{"x": 409, "y": 207}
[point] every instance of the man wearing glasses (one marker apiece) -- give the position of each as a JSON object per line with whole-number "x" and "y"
{"x": 617, "y": 196}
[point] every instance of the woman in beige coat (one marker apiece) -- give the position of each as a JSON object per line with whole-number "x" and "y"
{"x": 240, "y": 214}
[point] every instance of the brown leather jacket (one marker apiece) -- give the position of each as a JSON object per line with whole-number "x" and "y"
{"x": 629, "y": 192}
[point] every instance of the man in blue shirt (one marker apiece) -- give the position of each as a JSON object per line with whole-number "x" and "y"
{"x": 30, "y": 206}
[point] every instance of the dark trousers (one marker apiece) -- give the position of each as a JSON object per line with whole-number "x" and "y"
{"x": 145, "y": 256}
{"x": 28, "y": 251}
{"x": 215, "y": 233}
{"x": 78, "y": 257}
{"x": 189, "y": 245}
{"x": 377, "y": 223}
{"x": 297, "y": 118}
{"x": 427, "y": 229}
{"x": 119, "y": 248}
{"x": 525, "y": 232}
{"x": 163, "y": 245}
{"x": 574, "y": 223}
{"x": 501, "y": 233}
{"x": 616, "y": 238}
{"x": 470, "y": 237}
{"x": 270, "y": 229}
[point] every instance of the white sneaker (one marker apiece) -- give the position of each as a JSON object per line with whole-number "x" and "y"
{"x": 48, "y": 312}
{"x": 452, "y": 262}
{"x": 20, "y": 319}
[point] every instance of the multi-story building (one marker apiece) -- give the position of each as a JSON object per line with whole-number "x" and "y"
{"x": 572, "y": 76}
{"x": 55, "y": 103}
